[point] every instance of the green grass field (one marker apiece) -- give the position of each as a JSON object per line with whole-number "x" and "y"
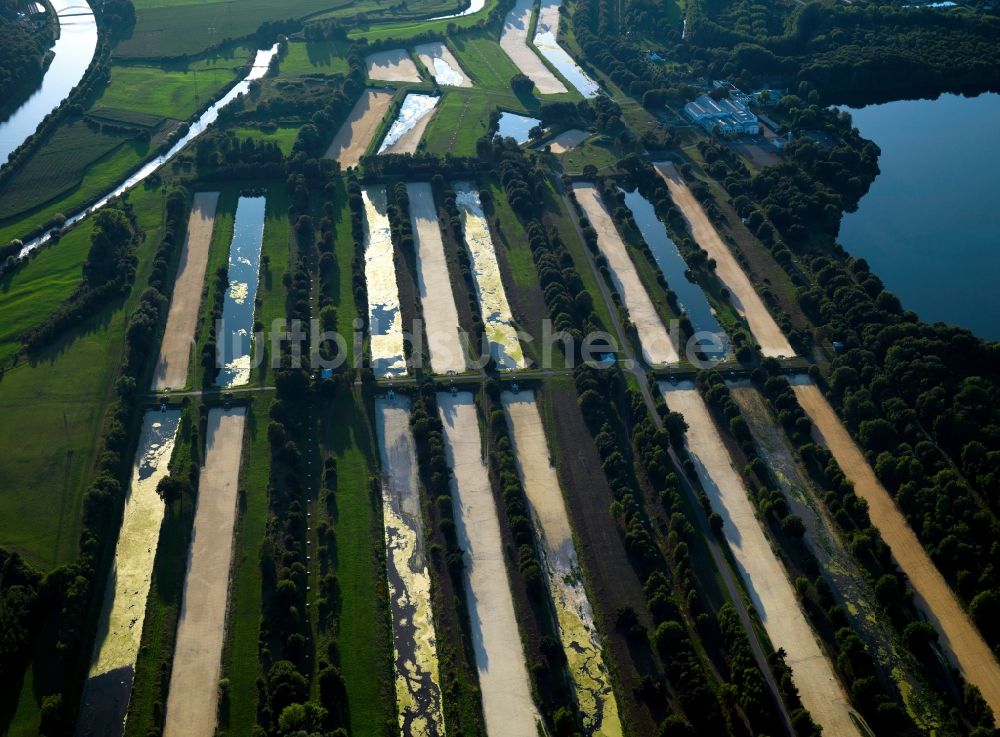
{"x": 62, "y": 400}
{"x": 276, "y": 248}
{"x": 284, "y": 136}
{"x": 315, "y": 57}
{"x": 172, "y": 91}
{"x": 241, "y": 657}
{"x": 461, "y": 119}
{"x": 409, "y": 29}
{"x": 173, "y": 28}
{"x": 595, "y": 151}
{"x": 357, "y": 520}
{"x": 29, "y": 294}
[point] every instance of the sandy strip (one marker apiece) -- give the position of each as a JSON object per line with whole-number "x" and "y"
{"x": 414, "y": 115}
{"x": 394, "y": 65}
{"x": 352, "y": 140}
{"x": 742, "y": 294}
{"x": 109, "y": 684}
{"x": 959, "y": 637}
{"x": 771, "y": 591}
{"x": 178, "y": 338}
{"x": 385, "y": 321}
{"x": 580, "y": 640}
{"x": 498, "y": 321}
{"x": 514, "y": 42}
{"x": 442, "y": 64}
{"x": 567, "y": 140}
{"x": 657, "y": 347}
{"x": 418, "y": 685}
{"x": 434, "y": 283}
{"x": 503, "y": 676}
{"x": 192, "y": 703}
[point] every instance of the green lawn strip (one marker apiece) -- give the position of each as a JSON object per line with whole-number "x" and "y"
{"x": 556, "y": 208}
{"x": 32, "y": 292}
{"x": 462, "y": 118}
{"x": 409, "y": 29}
{"x": 315, "y": 57}
{"x": 241, "y": 659}
{"x": 172, "y": 90}
{"x": 598, "y": 151}
{"x": 356, "y": 512}
{"x": 149, "y": 690}
{"x": 271, "y": 293}
{"x": 172, "y": 28}
{"x": 63, "y": 398}
{"x": 341, "y": 289}
{"x": 218, "y": 257}
{"x": 284, "y": 136}
{"x": 480, "y": 55}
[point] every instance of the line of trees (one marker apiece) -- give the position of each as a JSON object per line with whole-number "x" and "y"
{"x": 23, "y": 55}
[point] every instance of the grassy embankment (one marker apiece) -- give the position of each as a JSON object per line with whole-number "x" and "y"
{"x": 61, "y": 396}
{"x": 78, "y": 163}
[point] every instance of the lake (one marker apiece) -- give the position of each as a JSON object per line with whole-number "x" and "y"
{"x": 930, "y": 226}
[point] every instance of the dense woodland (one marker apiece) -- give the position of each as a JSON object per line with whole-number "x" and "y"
{"x": 26, "y": 42}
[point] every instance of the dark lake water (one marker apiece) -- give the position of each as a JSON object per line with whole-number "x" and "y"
{"x": 930, "y": 226}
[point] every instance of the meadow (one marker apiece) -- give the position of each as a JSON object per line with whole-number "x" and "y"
{"x": 315, "y": 57}
{"x": 62, "y": 398}
{"x": 177, "y": 28}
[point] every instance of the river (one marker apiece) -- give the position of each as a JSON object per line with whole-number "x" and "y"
{"x": 73, "y": 52}
{"x": 259, "y": 69}
{"x": 930, "y": 227}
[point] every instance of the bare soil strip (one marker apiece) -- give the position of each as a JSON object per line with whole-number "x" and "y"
{"x": 850, "y": 584}
{"x": 579, "y": 636}
{"x": 442, "y": 64}
{"x": 108, "y": 689}
{"x": 741, "y": 292}
{"x": 418, "y": 685}
{"x": 514, "y": 42}
{"x": 192, "y": 703}
{"x": 959, "y": 637}
{"x": 394, "y": 65}
{"x": 567, "y": 140}
{"x": 762, "y": 572}
{"x": 185, "y": 304}
{"x": 503, "y": 674}
{"x": 434, "y": 283}
{"x": 657, "y": 347}
{"x": 352, "y": 140}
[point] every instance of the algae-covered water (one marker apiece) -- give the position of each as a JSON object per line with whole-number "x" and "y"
{"x": 384, "y": 317}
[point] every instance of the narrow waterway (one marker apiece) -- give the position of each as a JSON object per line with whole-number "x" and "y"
{"x": 73, "y": 51}
{"x": 234, "y": 335}
{"x": 259, "y": 69}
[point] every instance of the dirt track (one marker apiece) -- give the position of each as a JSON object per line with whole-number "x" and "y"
{"x": 960, "y": 639}
{"x": 434, "y": 283}
{"x": 568, "y": 140}
{"x": 178, "y": 338}
{"x": 657, "y": 347}
{"x": 352, "y": 140}
{"x": 503, "y": 675}
{"x": 742, "y": 293}
{"x": 394, "y": 65}
{"x": 765, "y": 578}
{"x": 514, "y": 42}
{"x": 192, "y": 703}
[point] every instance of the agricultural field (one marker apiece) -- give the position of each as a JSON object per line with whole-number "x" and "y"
{"x": 315, "y": 57}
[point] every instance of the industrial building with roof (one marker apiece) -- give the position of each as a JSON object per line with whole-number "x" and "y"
{"x": 729, "y": 115}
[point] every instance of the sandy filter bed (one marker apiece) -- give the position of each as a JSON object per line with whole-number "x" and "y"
{"x": 354, "y": 136}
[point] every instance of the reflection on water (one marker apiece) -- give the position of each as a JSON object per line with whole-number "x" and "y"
{"x": 418, "y": 689}
{"x": 411, "y": 112}
{"x": 259, "y": 69}
{"x": 109, "y": 682}
{"x": 498, "y": 322}
{"x": 384, "y": 319}
{"x": 546, "y": 32}
{"x": 73, "y": 52}
{"x": 234, "y": 340}
{"x": 690, "y": 298}
{"x": 474, "y": 7}
{"x": 512, "y": 125}
{"x": 445, "y": 73}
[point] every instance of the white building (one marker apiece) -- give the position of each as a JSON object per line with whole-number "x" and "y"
{"x": 729, "y": 115}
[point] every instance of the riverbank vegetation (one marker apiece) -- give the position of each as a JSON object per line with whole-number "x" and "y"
{"x": 23, "y": 56}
